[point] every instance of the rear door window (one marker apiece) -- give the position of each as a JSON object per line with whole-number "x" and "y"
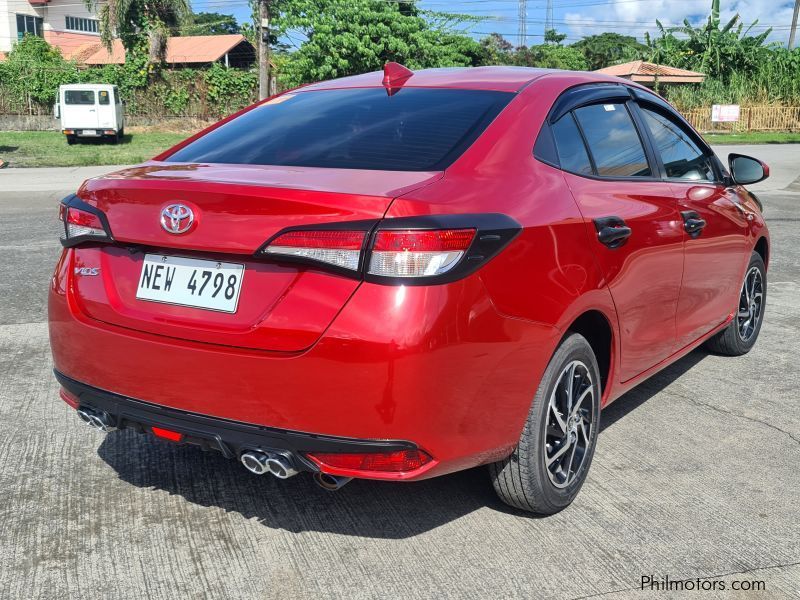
{"x": 613, "y": 140}
{"x": 104, "y": 97}
{"x": 572, "y": 155}
{"x": 79, "y": 97}
{"x": 414, "y": 129}
{"x": 682, "y": 157}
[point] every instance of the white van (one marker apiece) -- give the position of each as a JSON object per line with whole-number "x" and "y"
{"x": 90, "y": 111}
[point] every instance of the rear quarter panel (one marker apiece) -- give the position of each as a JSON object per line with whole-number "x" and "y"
{"x": 547, "y": 274}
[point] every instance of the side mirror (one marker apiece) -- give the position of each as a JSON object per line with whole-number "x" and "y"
{"x": 746, "y": 169}
{"x": 57, "y": 111}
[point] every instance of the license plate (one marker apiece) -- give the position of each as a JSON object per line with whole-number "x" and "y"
{"x": 205, "y": 284}
{"x": 89, "y": 132}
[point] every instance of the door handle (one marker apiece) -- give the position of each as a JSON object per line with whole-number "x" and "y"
{"x": 692, "y": 223}
{"x": 612, "y": 231}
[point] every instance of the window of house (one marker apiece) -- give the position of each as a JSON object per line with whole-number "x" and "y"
{"x": 82, "y": 24}
{"x": 29, "y": 25}
{"x": 613, "y": 140}
{"x": 682, "y": 158}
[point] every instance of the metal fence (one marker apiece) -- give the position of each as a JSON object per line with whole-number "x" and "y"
{"x": 751, "y": 118}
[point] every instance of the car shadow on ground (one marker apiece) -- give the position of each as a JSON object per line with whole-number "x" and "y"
{"x": 103, "y": 141}
{"x": 362, "y": 508}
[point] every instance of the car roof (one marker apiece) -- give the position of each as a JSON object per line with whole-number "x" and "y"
{"x": 504, "y": 79}
{"x": 87, "y": 86}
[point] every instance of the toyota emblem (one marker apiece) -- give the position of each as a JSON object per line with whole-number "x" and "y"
{"x": 177, "y": 218}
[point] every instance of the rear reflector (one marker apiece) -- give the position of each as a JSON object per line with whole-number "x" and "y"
{"x": 166, "y": 434}
{"x": 388, "y": 462}
{"x": 338, "y": 248}
{"x": 69, "y": 398}
{"x": 81, "y": 223}
{"x": 418, "y": 253}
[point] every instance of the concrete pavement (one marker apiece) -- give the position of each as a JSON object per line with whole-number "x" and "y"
{"x": 695, "y": 476}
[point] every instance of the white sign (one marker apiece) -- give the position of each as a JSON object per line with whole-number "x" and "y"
{"x": 725, "y": 113}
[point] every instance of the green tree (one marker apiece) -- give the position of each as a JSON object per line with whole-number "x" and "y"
{"x": 549, "y": 56}
{"x": 143, "y": 26}
{"x": 346, "y": 37}
{"x": 210, "y": 23}
{"x": 609, "y": 49}
{"x": 551, "y": 36}
{"x": 718, "y": 51}
{"x": 33, "y": 70}
{"x": 497, "y": 50}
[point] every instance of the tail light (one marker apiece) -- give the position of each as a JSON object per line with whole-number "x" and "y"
{"x": 407, "y": 250}
{"x": 337, "y": 248}
{"x": 400, "y": 461}
{"x": 82, "y": 222}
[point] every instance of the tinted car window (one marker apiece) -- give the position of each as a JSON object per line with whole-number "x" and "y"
{"x": 682, "y": 158}
{"x": 104, "y": 98}
{"x": 79, "y": 97}
{"x": 413, "y": 130}
{"x": 571, "y": 150}
{"x": 613, "y": 140}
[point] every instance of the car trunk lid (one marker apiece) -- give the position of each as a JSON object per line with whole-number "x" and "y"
{"x": 282, "y": 307}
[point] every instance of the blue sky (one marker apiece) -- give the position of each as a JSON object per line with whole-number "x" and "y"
{"x": 577, "y": 18}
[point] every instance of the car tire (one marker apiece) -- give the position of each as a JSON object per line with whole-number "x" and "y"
{"x": 71, "y": 140}
{"x": 533, "y": 478}
{"x": 740, "y": 335}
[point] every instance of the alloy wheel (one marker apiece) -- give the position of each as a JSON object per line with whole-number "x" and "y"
{"x": 568, "y": 437}
{"x": 750, "y": 304}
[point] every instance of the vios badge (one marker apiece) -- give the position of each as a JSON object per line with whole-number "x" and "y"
{"x": 91, "y": 271}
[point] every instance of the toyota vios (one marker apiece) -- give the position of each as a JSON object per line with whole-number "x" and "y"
{"x": 399, "y": 275}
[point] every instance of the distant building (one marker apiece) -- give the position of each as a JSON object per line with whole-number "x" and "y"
{"x": 233, "y": 50}
{"x": 647, "y": 73}
{"x": 71, "y": 27}
{"x": 67, "y": 24}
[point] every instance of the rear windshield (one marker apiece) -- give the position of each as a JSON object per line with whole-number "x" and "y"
{"x": 413, "y": 130}
{"x": 79, "y": 97}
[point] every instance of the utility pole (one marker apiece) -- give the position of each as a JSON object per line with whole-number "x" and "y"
{"x": 522, "y": 31}
{"x": 548, "y": 19}
{"x": 794, "y": 24}
{"x": 263, "y": 50}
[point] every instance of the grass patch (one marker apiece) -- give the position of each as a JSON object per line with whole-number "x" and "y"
{"x": 50, "y": 149}
{"x": 755, "y": 137}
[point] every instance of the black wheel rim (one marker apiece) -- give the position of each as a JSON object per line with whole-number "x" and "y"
{"x": 751, "y": 304}
{"x": 570, "y": 415}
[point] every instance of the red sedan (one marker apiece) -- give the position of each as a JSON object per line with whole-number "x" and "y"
{"x": 400, "y": 275}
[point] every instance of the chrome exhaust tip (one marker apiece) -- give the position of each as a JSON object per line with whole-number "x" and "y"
{"x": 331, "y": 482}
{"x": 96, "y": 419}
{"x": 255, "y": 462}
{"x": 280, "y": 467}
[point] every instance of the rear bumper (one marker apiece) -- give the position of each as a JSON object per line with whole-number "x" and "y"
{"x": 210, "y": 433}
{"x": 436, "y": 366}
{"x": 87, "y": 132}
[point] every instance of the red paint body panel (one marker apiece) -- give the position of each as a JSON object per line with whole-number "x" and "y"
{"x": 451, "y": 367}
{"x": 643, "y": 275}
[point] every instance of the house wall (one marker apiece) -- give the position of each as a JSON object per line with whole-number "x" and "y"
{"x": 55, "y": 23}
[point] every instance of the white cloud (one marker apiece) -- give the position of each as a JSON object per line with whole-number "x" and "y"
{"x": 634, "y": 17}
